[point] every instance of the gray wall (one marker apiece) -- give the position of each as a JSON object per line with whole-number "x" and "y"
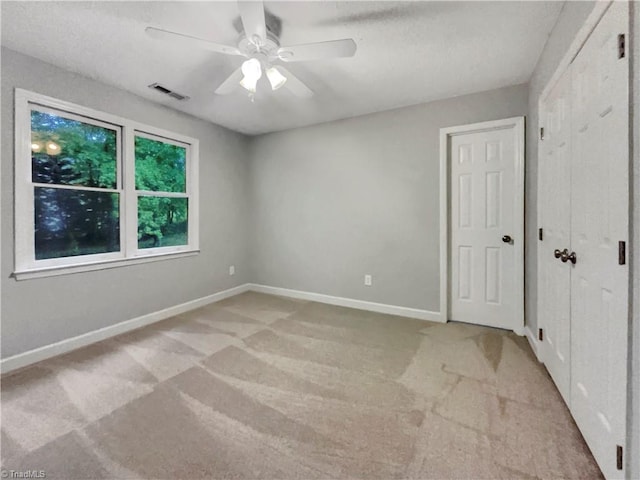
{"x": 571, "y": 19}
{"x": 336, "y": 201}
{"x": 42, "y": 311}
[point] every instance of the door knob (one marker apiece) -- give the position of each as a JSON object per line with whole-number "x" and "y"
{"x": 507, "y": 239}
{"x": 565, "y": 256}
{"x": 557, "y": 253}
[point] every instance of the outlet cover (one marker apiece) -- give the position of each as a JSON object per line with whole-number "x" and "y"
{"x": 232, "y": 270}
{"x": 367, "y": 280}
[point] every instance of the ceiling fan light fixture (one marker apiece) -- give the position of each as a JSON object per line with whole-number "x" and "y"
{"x": 249, "y": 84}
{"x": 276, "y": 79}
{"x": 252, "y": 71}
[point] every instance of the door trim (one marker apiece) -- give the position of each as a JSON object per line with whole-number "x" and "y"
{"x": 517, "y": 124}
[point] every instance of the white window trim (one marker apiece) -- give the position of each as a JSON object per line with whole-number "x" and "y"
{"x": 26, "y": 266}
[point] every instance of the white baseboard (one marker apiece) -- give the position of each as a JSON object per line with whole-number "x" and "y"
{"x": 42, "y": 353}
{"x": 533, "y": 342}
{"x": 349, "y": 302}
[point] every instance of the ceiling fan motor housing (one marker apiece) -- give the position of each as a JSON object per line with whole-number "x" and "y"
{"x": 269, "y": 46}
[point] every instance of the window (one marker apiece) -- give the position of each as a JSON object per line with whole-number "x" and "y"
{"x": 95, "y": 190}
{"x": 163, "y": 204}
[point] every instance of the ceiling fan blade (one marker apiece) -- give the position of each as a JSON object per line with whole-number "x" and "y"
{"x": 231, "y": 83}
{"x": 252, "y": 15}
{"x": 318, "y": 51}
{"x": 294, "y": 84}
{"x": 186, "y": 40}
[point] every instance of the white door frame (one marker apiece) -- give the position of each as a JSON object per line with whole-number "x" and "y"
{"x": 517, "y": 123}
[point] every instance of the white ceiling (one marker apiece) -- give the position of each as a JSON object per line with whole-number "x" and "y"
{"x": 408, "y": 52}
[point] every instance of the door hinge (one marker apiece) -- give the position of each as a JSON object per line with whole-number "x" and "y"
{"x": 540, "y": 234}
{"x": 622, "y": 253}
{"x": 619, "y": 457}
{"x": 540, "y": 334}
{"x": 541, "y": 133}
{"x": 621, "y": 46}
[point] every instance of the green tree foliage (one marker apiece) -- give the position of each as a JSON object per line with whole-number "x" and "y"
{"x": 162, "y": 221}
{"x": 160, "y": 167}
{"x": 86, "y": 154}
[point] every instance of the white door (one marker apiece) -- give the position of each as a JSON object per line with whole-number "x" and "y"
{"x": 486, "y": 224}
{"x": 600, "y": 202}
{"x": 554, "y": 214}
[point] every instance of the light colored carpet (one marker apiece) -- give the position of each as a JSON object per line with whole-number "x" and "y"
{"x": 259, "y": 386}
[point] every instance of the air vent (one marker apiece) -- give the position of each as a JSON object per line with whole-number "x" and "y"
{"x": 166, "y": 91}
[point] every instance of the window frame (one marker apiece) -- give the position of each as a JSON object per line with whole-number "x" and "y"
{"x": 26, "y": 265}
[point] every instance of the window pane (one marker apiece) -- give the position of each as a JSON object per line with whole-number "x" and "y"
{"x": 75, "y": 222}
{"x": 69, "y": 152}
{"x": 162, "y": 222}
{"x": 160, "y": 167}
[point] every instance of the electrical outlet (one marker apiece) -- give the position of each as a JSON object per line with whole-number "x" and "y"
{"x": 367, "y": 280}
{"x": 232, "y": 270}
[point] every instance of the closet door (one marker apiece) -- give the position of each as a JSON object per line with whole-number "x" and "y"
{"x": 599, "y": 204}
{"x": 555, "y": 216}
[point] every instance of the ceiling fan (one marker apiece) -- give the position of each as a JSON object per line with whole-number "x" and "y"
{"x": 262, "y": 49}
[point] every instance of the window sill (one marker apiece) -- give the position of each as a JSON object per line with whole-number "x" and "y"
{"x": 88, "y": 267}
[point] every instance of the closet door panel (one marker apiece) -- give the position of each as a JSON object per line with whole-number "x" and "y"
{"x": 599, "y": 206}
{"x": 555, "y": 218}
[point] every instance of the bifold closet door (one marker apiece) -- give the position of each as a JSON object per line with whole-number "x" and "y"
{"x": 599, "y": 222}
{"x": 555, "y": 214}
